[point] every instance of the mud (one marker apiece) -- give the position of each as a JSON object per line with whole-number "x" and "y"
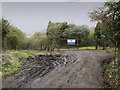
{"x": 73, "y": 69}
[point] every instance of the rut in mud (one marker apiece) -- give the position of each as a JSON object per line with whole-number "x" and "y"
{"x": 35, "y": 66}
{"x": 73, "y": 69}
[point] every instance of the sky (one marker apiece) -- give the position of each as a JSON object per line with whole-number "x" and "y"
{"x": 32, "y": 17}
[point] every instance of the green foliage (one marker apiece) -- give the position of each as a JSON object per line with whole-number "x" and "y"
{"x": 12, "y": 37}
{"x": 91, "y": 40}
{"x": 39, "y": 53}
{"x": 97, "y": 31}
{"x": 5, "y": 27}
{"x": 9, "y": 68}
{"x": 76, "y": 32}
{"x": 25, "y": 55}
{"x": 21, "y": 54}
{"x": 58, "y": 33}
{"x": 38, "y": 35}
{"x": 101, "y": 39}
{"x": 80, "y": 33}
{"x": 113, "y": 72}
{"x": 5, "y": 30}
{"x": 12, "y": 51}
{"x": 55, "y": 34}
{"x": 109, "y": 16}
{"x": 36, "y": 42}
{"x": 111, "y": 22}
{"x": 12, "y": 42}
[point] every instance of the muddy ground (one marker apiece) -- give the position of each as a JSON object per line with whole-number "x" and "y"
{"x": 72, "y": 69}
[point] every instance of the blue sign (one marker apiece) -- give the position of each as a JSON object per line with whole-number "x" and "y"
{"x": 71, "y": 42}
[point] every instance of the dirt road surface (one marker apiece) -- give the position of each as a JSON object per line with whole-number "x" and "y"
{"x": 73, "y": 69}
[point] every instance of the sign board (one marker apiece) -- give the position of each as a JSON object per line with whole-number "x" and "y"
{"x": 71, "y": 42}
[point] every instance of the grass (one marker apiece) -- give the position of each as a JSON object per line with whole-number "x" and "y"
{"x": 25, "y": 55}
{"x": 12, "y": 64}
{"x": 46, "y": 53}
{"x": 9, "y": 68}
{"x": 39, "y": 53}
{"x": 93, "y": 47}
{"x": 83, "y": 48}
{"x": 20, "y": 54}
{"x": 108, "y": 49}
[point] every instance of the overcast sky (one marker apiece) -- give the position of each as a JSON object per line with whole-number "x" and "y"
{"x": 33, "y": 17}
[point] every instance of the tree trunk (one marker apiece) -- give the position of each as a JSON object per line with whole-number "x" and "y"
{"x": 115, "y": 58}
{"x": 119, "y": 64}
{"x": 96, "y": 44}
{"x": 118, "y": 57}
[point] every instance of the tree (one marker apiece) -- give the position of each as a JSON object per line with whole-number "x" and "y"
{"x": 5, "y": 30}
{"x": 0, "y": 35}
{"x": 12, "y": 37}
{"x": 112, "y": 21}
{"x": 12, "y": 42}
{"x": 97, "y": 34}
{"x": 15, "y": 38}
{"x": 109, "y": 16}
{"x": 58, "y": 33}
{"x": 54, "y": 34}
{"x": 80, "y": 33}
{"x": 39, "y": 40}
{"x": 38, "y": 35}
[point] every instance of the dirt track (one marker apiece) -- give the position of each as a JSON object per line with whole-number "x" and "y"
{"x": 74, "y": 69}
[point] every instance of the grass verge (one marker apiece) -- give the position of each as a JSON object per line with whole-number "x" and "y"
{"x": 11, "y": 63}
{"x": 111, "y": 76}
{"x": 83, "y": 48}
